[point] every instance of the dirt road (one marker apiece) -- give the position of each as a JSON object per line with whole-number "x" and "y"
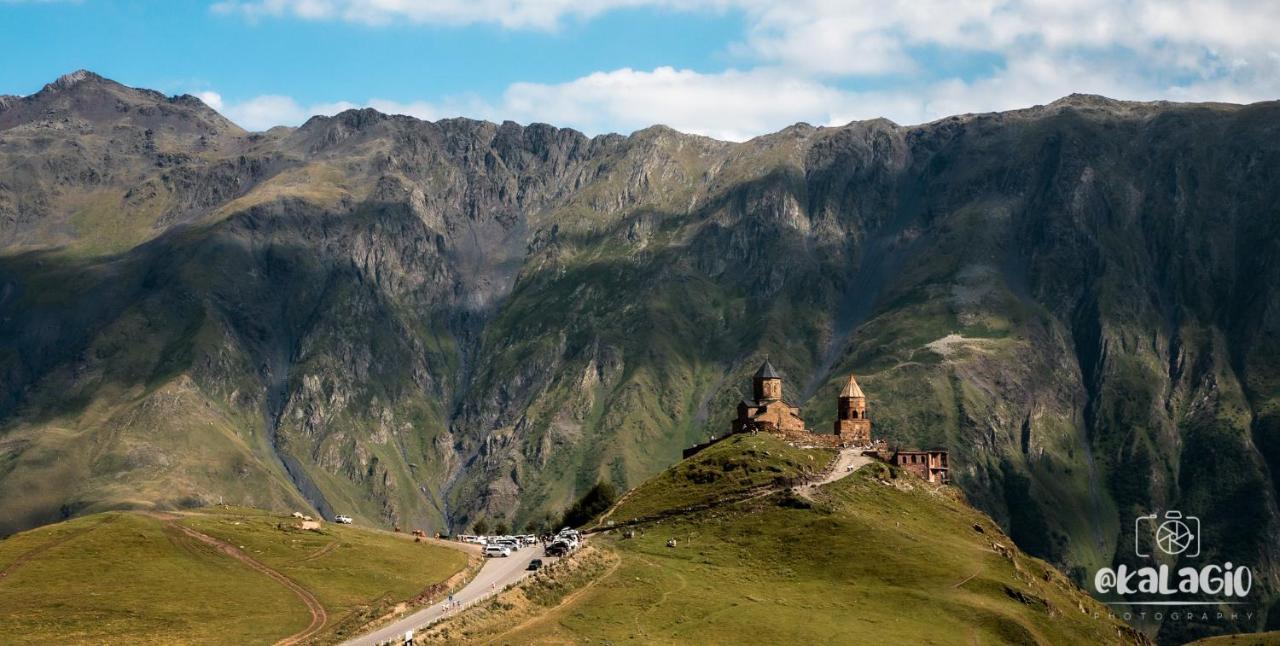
{"x": 850, "y": 460}
{"x": 318, "y": 614}
{"x": 846, "y": 463}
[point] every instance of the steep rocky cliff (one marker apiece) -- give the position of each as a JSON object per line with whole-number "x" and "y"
{"x": 428, "y": 323}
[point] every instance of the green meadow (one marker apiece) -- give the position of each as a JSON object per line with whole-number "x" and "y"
{"x": 123, "y": 577}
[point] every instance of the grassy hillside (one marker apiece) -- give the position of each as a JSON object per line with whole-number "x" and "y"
{"x": 877, "y": 557}
{"x": 734, "y": 467}
{"x": 138, "y": 578}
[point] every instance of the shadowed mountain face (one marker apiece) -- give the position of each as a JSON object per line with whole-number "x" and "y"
{"x": 428, "y": 323}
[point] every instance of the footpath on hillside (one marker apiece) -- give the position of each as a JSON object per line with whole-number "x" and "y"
{"x": 848, "y": 461}
{"x": 319, "y": 617}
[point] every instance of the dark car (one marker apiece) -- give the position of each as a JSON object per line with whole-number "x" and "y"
{"x": 534, "y": 564}
{"x": 558, "y": 548}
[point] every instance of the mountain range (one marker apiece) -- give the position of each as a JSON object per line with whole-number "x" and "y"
{"x": 428, "y": 323}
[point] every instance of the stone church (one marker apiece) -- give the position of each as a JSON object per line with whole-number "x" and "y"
{"x": 769, "y": 412}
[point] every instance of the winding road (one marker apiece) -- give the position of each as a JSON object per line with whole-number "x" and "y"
{"x": 494, "y": 576}
{"x": 498, "y": 573}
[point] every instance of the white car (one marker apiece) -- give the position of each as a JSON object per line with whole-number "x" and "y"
{"x": 343, "y": 520}
{"x": 495, "y": 550}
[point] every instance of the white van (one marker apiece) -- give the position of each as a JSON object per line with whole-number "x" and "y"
{"x": 494, "y": 550}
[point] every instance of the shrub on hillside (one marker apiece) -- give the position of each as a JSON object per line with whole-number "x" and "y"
{"x": 592, "y": 504}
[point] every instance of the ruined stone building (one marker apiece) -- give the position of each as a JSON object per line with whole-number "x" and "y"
{"x": 932, "y": 466}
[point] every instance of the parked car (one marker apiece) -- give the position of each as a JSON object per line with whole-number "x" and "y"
{"x": 343, "y": 520}
{"x": 535, "y": 564}
{"x": 494, "y": 551}
{"x": 556, "y": 548}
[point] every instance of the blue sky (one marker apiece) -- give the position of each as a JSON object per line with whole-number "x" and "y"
{"x": 726, "y": 68}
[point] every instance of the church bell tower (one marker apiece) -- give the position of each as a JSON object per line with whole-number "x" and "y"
{"x": 852, "y": 424}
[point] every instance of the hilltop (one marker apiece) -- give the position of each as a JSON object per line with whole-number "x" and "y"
{"x": 876, "y": 557}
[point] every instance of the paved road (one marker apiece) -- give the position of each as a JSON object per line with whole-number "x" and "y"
{"x": 495, "y": 575}
{"x": 848, "y": 458}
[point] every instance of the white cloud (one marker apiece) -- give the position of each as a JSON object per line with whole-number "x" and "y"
{"x": 270, "y": 110}
{"x": 729, "y": 105}
{"x": 829, "y": 61}
{"x": 263, "y": 112}
{"x": 513, "y": 14}
{"x": 783, "y": 30}
{"x": 737, "y": 105}
{"x": 866, "y": 37}
{"x": 211, "y": 99}
{"x": 732, "y": 105}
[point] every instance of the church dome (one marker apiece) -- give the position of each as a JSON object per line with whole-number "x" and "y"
{"x": 852, "y": 389}
{"x": 766, "y": 371}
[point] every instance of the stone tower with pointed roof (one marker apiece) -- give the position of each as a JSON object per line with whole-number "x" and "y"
{"x": 767, "y": 410}
{"x": 767, "y": 383}
{"x": 852, "y": 424}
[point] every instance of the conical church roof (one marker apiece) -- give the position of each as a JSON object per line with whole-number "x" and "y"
{"x": 766, "y": 371}
{"x": 852, "y": 389}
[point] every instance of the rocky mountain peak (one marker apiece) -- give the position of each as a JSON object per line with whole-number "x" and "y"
{"x": 354, "y": 119}
{"x": 71, "y": 79}
{"x": 1079, "y": 100}
{"x": 799, "y": 129}
{"x": 89, "y": 99}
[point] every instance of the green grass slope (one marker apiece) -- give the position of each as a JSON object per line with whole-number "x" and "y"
{"x": 137, "y": 578}
{"x": 733, "y": 467}
{"x": 877, "y": 557}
